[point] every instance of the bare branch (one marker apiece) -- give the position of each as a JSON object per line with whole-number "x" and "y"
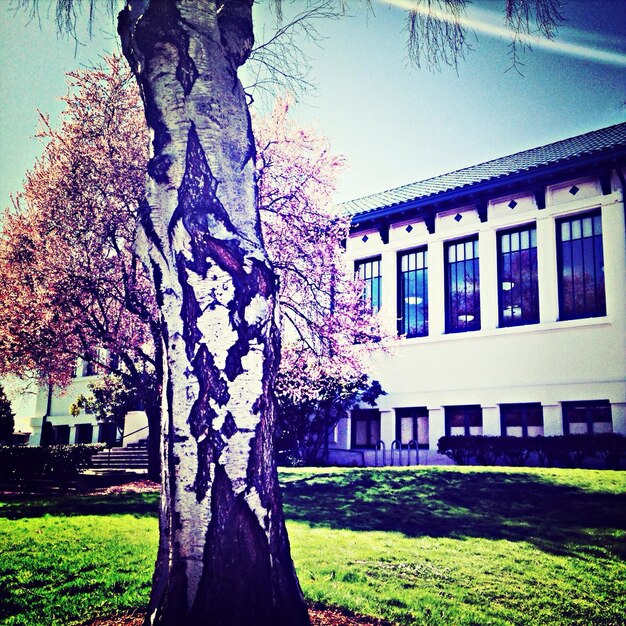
{"x": 278, "y": 63}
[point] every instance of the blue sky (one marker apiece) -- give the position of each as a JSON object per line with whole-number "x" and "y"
{"x": 393, "y": 123}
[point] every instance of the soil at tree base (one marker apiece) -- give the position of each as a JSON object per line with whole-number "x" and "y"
{"x": 319, "y": 617}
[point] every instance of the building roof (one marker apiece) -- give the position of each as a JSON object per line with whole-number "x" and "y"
{"x": 559, "y": 152}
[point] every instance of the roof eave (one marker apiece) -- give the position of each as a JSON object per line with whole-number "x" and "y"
{"x": 540, "y": 176}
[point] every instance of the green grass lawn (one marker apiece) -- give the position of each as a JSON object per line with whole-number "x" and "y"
{"x": 453, "y": 546}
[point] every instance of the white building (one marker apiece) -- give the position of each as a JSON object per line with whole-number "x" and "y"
{"x": 506, "y": 282}
{"x": 34, "y": 407}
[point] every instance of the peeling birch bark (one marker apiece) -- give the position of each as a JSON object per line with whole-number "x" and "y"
{"x": 223, "y": 553}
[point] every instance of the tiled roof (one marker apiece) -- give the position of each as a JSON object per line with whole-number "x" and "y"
{"x": 582, "y": 145}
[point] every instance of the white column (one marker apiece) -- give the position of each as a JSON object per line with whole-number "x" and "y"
{"x": 491, "y": 421}
{"x": 552, "y": 420}
{"x": 618, "y": 414}
{"x": 488, "y": 264}
{"x": 348, "y": 433}
{"x": 436, "y": 426}
{"x": 436, "y": 289}
{"x": 342, "y": 432}
{"x": 547, "y": 270}
{"x": 614, "y": 258}
{"x": 388, "y": 427}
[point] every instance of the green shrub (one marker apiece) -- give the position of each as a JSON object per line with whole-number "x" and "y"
{"x": 60, "y": 463}
{"x": 564, "y": 450}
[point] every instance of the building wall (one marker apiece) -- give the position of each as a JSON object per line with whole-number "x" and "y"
{"x": 550, "y": 362}
{"x": 30, "y": 403}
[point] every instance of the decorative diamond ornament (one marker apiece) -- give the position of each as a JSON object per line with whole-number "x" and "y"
{"x": 364, "y": 238}
{"x": 409, "y": 228}
{"x": 512, "y": 204}
{"x": 574, "y": 190}
{"x": 458, "y": 217}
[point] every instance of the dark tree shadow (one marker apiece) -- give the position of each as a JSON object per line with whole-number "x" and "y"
{"x": 517, "y": 507}
{"x": 138, "y": 504}
{"x": 560, "y": 519}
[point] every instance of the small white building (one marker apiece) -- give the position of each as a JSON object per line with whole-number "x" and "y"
{"x": 506, "y": 283}
{"x": 35, "y": 406}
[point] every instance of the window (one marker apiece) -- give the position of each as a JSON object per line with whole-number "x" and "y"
{"x": 587, "y": 417}
{"x": 518, "y": 288}
{"x": 581, "y": 266}
{"x": 412, "y": 425}
{"x": 61, "y": 435}
{"x": 462, "y": 286}
{"x": 369, "y": 272}
{"x": 413, "y": 293}
{"x": 107, "y": 434}
{"x": 84, "y": 433}
{"x": 365, "y": 428}
{"x": 464, "y": 420}
{"x": 522, "y": 420}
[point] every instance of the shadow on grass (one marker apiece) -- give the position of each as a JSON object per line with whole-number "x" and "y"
{"x": 138, "y": 504}
{"x": 518, "y": 507}
{"x": 561, "y": 519}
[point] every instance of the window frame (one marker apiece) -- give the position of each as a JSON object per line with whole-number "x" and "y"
{"x": 466, "y": 409}
{"x": 400, "y": 305}
{"x": 369, "y": 416}
{"x": 589, "y": 406}
{"x": 476, "y": 321}
{"x": 533, "y": 288}
{"x": 414, "y": 413}
{"x": 524, "y": 408}
{"x": 599, "y": 308}
{"x": 368, "y": 292}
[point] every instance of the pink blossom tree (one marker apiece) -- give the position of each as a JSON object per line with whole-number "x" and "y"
{"x": 327, "y": 330}
{"x": 75, "y": 287}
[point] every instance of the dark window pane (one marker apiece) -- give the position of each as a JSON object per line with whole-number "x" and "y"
{"x": 581, "y": 267}
{"x": 369, "y": 272}
{"x": 365, "y": 428}
{"x": 464, "y": 420}
{"x": 413, "y": 293}
{"x": 587, "y": 417}
{"x": 522, "y": 420}
{"x": 462, "y": 286}
{"x": 517, "y": 274}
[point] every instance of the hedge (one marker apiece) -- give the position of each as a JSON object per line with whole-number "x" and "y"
{"x": 563, "y": 451}
{"x": 59, "y": 464}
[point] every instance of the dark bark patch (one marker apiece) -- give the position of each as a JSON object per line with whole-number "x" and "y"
{"x": 211, "y": 382}
{"x": 158, "y": 168}
{"x": 157, "y": 276}
{"x": 190, "y": 311}
{"x": 234, "y": 537}
{"x": 197, "y": 194}
{"x": 203, "y": 476}
{"x": 145, "y": 217}
{"x": 161, "y": 22}
{"x": 236, "y": 33}
{"x": 230, "y": 426}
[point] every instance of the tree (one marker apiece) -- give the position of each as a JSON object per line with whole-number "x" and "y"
{"x": 109, "y": 401}
{"x": 7, "y": 417}
{"x": 76, "y": 288}
{"x": 223, "y": 554}
{"x": 327, "y": 330}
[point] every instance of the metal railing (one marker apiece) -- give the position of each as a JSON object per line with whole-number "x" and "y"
{"x": 380, "y": 451}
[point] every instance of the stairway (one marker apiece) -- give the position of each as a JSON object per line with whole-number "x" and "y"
{"x": 117, "y": 460}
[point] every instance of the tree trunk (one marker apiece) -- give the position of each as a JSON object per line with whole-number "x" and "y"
{"x": 224, "y": 554}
